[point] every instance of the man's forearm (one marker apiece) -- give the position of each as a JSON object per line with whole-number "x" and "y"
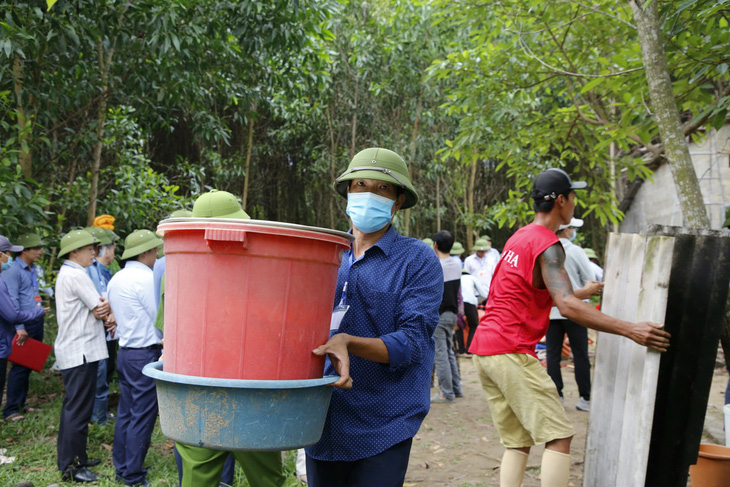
{"x": 368, "y": 348}
{"x": 584, "y": 314}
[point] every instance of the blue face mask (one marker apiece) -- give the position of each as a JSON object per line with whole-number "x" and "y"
{"x": 575, "y": 234}
{"x": 368, "y": 211}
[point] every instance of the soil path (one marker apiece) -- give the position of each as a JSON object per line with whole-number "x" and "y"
{"x": 457, "y": 445}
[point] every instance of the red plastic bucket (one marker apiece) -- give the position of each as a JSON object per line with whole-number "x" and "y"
{"x": 248, "y": 299}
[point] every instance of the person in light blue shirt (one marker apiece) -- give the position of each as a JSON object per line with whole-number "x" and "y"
{"x": 100, "y": 276}
{"x": 386, "y": 308}
{"x": 10, "y": 315}
{"x": 132, "y": 300}
{"x": 22, "y": 281}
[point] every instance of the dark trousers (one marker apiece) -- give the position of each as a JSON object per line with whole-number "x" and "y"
{"x": 3, "y": 371}
{"x": 78, "y": 402}
{"x": 386, "y": 469}
{"x": 19, "y": 376}
{"x": 111, "y": 346}
{"x": 578, "y": 336}
{"x": 136, "y": 414}
{"x": 472, "y": 318}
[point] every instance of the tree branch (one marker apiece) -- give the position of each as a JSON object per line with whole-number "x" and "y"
{"x": 529, "y": 53}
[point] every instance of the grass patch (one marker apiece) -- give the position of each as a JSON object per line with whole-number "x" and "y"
{"x": 33, "y": 442}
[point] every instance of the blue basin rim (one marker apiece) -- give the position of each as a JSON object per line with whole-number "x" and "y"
{"x": 154, "y": 370}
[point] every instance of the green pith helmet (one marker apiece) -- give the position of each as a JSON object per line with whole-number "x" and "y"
{"x": 218, "y": 204}
{"x": 110, "y": 233}
{"x": 75, "y": 239}
{"x": 482, "y": 244}
{"x": 181, "y": 214}
{"x": 100, "y": 235}
{"x": 590, "y": 253}
{"x": 380, "y": 165}
{"x": 457, "y": 249}
{"x": 485, "y": 237}
{"x": 428, "y": 241}
{"x": 140, "y": 241}
{"x": 29, "y": 240}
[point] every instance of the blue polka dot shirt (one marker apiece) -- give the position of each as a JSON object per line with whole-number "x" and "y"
{"x": 394, "y": 292}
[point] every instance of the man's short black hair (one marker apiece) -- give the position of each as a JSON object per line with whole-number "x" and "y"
{"x": 546, "y": 206}
{"x": 444, "y": 240}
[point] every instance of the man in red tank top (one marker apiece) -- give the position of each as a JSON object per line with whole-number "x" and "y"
{"x": 530, "y": 277}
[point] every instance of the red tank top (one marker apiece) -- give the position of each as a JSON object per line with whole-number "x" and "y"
{"x": 517, "y": 315}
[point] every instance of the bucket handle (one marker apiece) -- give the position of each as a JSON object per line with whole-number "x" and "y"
{"x": 225, "y": 235}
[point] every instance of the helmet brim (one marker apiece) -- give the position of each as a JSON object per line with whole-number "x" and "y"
{"x": 342, "y": 182}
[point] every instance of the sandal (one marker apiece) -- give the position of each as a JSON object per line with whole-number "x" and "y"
{"x": 32, "y": 410}
{"x": 15, "y": 417}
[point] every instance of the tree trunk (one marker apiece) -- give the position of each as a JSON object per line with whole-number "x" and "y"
{"x": 438, "y": 203}
{"x": 104, "y": 65}
{"x": 667, "y": 116}
{"x": 249, "y": 149}
{"x": 333, "y": 161}
{"x": 353, "y": 134}
{"x": 24, "y": 131}
{"x": 470, "y": 206}
{"x": 414, "y": 140}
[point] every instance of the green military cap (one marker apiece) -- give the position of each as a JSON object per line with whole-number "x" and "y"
{"x": 428, "y": 241}
{"x": 590, "y": 253}
{"x": 218, "y": 204}
{"x": 181, "y": 214}
{"x": 380, "y": 165}
{"x": 100, "y": 235}
{"x": 75, "y": 239}
{"x": 457, "y": 249}
{"x": 485, "y": 237}
{"x": 482, "y": 244}
{"x": 140, "y": 241}
{"x": 29, "y": 240}
{"x": 110, "y": 233}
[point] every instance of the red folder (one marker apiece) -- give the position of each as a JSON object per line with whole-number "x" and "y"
{"x": 33, "y": 354}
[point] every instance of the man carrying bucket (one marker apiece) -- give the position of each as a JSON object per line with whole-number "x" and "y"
{"x": 389, "y": 289}
{"x": 131, "y": 296}
{"x": 203, "y": 467}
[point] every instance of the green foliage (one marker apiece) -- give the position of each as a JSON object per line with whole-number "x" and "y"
{"x": 554, "y": 85}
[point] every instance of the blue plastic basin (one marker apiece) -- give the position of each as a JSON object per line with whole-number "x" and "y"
{"x": 232, "y": 414}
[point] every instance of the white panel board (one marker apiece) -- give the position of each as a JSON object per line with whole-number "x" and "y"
{"x": 625, "y": 375}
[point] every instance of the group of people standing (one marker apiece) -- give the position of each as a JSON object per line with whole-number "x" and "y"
{"x": 394, "y": 310}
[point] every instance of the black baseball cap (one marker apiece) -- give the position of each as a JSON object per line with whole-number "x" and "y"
{"x": 553, "y": 182}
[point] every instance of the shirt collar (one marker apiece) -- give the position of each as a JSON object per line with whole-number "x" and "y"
{"x": 22, "y": 263}
{"x": 386, "y": 242}
{"x": 73, "y": 264}
{"x": 136, "y": 263}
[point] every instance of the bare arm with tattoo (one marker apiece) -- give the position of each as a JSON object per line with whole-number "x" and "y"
{"x": 552, "y": 275}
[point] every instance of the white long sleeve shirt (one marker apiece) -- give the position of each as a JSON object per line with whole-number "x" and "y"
{"x": 471, "y": 289}
{"x": 131, "y": 295}
{"x": 483, "y": 268}
{"x": 579, "y": 270}
{"x": 80, "y": 335}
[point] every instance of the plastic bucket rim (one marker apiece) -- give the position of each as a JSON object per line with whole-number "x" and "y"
{"x": 264, "y": 223}
{"x": 154, "y": 370}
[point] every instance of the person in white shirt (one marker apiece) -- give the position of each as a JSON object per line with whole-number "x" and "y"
{"x": 597, "y": 269}
{"x": 472, "y": 292}
{"x": 131, "y": 294}
{"x": 482, "y": 263}
{"x": 79, "y": 346}
{"x": 581, "y": 276}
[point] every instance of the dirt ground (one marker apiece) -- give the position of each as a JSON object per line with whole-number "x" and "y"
{"x": 457, "y": 445}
